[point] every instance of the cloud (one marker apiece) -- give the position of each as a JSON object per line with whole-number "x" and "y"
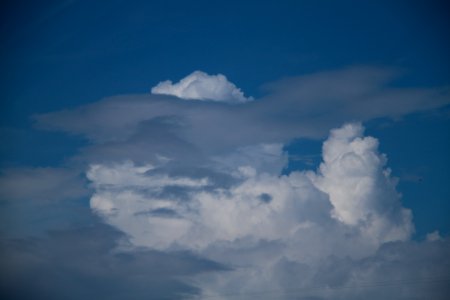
{"x": 128, "y": 175}
{"x": 359, "y": 187}
{"x": 207, "y": 178}
{"x": 201, "y": 86}
{"x": 94, "y": 262}
{"x": 397, "y": 270}
{"x": 351, "y": 188}
{"x": 41, "y": 184}
{"x": 36, "y": 199}
{"x": 299, "y": 107}
{"x": 330, "y": 234}
{"x": 433, "y": 236}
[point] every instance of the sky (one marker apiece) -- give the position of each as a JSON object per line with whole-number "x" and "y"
{"x": 224, "y": 150}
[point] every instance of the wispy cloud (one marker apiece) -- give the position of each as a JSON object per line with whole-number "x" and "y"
{"x": 307, "y": 106}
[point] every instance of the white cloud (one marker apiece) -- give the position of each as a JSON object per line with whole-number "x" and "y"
{"x": 201, "y": 86}
{"x": 261, "y": 158}
{"x": 126, "y": 175}
{"x": 219, "y": 193}
{"x": 359, "y": 187}
{"x": 300, "y": 107}
{"x": 262, "y": 206}
{"x": 351, "y": 187}
{"x": 399, "y": 270}
{"x": 347, "y": 210}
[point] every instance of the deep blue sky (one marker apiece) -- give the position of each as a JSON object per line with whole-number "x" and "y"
{"x": 57, "y": 55}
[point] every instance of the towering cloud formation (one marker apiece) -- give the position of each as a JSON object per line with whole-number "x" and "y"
{"x": 362, "y": 192}
{"x": 201, "y": 86}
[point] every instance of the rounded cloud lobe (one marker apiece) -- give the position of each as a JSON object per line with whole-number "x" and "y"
{"x": 201, "y": 86}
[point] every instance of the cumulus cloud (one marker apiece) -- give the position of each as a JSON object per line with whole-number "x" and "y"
{"x": 352, "y": 187}
{"x": 398, "y": 270}
{"x": 201, "y": 86}
{"x": 209, "y": 178}
{"x": 359, "y": 187}
{"x": 282, "y": 233}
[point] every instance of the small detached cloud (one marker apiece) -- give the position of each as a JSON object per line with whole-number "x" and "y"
{"x": 202, "y": 86}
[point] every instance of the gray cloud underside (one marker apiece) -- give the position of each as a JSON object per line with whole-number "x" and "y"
{"x": 398, "y": 270}
{"x": 83, "y": 264}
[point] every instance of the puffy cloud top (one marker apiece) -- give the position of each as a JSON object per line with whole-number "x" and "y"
{"x": 359, "y": 187}
{"x": 202, "y": 86}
